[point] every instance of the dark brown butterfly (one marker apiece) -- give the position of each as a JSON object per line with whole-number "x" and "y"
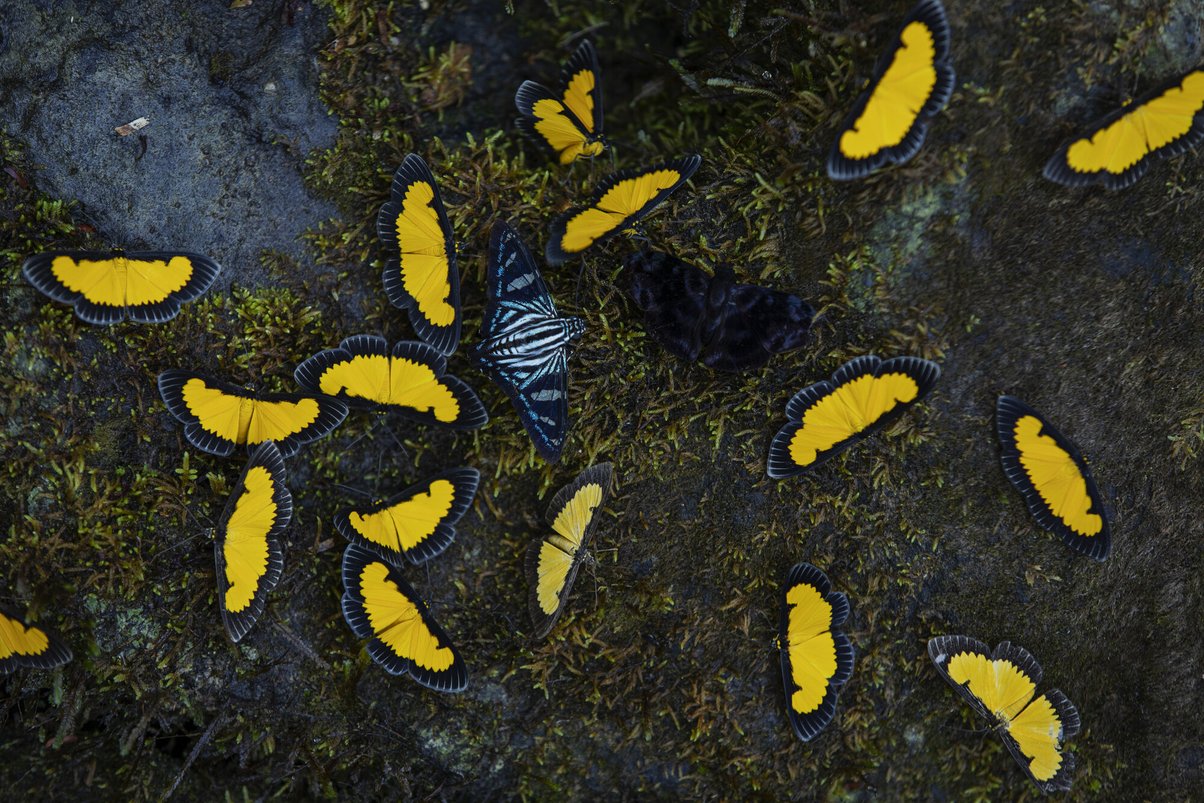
{"x": 727, "y": 325}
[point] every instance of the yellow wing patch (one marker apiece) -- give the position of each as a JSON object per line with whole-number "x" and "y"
{"x": 416, "y": 524}
{"x": 380, "y": 605}
{"x": 410, "y": 379}
{"x": 420, "y": 274}
{"x": 552, "y": 561}
{"x": 1118, "y": 149}
{"x": 863, "y": 396}
{"x": 104, "y": 288}
{"x": 913, "y": 83}
{"x": 1000, "y": 687}
{"x": 248, "y": 550}
{"x": 219, "y": 417}
{"x": 816, "y": 658}
{"x": 1053, "y": 478}
{"x": 26, "y": 646}
{"x": 620, "y": 201}
{"x": 568, "y": 123}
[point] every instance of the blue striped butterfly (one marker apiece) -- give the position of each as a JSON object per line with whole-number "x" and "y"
{"x": 524, "y": 342}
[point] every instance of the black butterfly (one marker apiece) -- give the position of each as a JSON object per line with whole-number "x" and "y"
{"x": 524, "y": 343}
{"x": 729, "y": 326}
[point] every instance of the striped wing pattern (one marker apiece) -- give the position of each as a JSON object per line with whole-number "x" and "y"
{"x": 524, "y": 342}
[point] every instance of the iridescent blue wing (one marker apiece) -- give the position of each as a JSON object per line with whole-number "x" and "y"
{"x": 515, "y": 291}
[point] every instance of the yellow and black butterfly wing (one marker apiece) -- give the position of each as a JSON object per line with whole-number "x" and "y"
{"x": 416, "y": 524}
{"x": 410, "y": 379}
{"x": 219, "y": 417}
{"x": 108, "y": 287}
{"x": 420, "y": 274}
{"x": 552, "y": 561}
{"x": 26, "y": 646}
{"x": 912, "y": 82}
{"x": 1000, "y": 686}
{"x": 863, "y": 396}
{"x": 1052, "y": 477}
{"x": 621, "y": 200}
{"x": 817, "y": 660}
{"x": 570, "y": 124}
{"x": 247, "y": 549}
{"x": 1118, "y": 149}
{"x": 379, "y": 605}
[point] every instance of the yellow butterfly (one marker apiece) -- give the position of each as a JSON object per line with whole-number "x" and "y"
{"x": 1118, "y": 149}
{"x": 247, "y": 548}
{"x": 552, "y": 561}
{"x": 863, "y": 396}
{"x": 912, "y": 82}
{"x": 570, "y": 124}
{"x": 1052, "y": 477}
{"x": 379, "y": 605}
{"x": 219, "y": 417}
{"x": 107, "y": 287}
{"x": 410, "y": 379}
{"x": 420, "y": 274}
{"x": 620, "y": 201}
{"x": 816, "y": 659}
{"x": 999, "y": 686}
{"x": 416, "y": 524}
{"x": 25, "y": 646}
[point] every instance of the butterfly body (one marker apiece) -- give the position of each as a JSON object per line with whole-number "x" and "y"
{"x": 553, "y": 559}
{"x": 1000, "y": 686}
{"x": 524, "y": 341}
{"x": 727, "y": 325}
{"x": 568, "y": 122}
{"x": 816, "y": 657}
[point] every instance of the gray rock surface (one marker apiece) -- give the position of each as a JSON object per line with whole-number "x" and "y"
{"x": 232, "y": 103}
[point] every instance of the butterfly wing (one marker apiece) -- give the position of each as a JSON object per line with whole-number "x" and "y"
{"x": 1000, "y": 686}
{"x": 411, "y": 379}
{"x": 420, "y": 274}
{"x": 863, "y": 396}
{"x": 571, "y": 124}
{"x": 416, "y": 524}
{"x": 673, "y": 296}
{"x": 817, "y": 659}
{"x": 524, "y": 343}
{"x": 404, "y": 638}
{"x": 621, "y": 200}
{"x": 1053, "y": 478}
{"x": 912, "y": 82}
{"x": 1118, "y": 149}
{"x": 26, "y": 646}
{"x": 219, "y": 417}
{"x": 754, "y": 324}
{"x": 104, "y": 288}
{"x": 552, "y": 561}
{"x": 248, "y": 551}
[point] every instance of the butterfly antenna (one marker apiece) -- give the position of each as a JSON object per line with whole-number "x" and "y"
{"x": 353, "y": 490}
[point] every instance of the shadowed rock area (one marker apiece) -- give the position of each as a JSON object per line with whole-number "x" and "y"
{"x": 661, "y": 680}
